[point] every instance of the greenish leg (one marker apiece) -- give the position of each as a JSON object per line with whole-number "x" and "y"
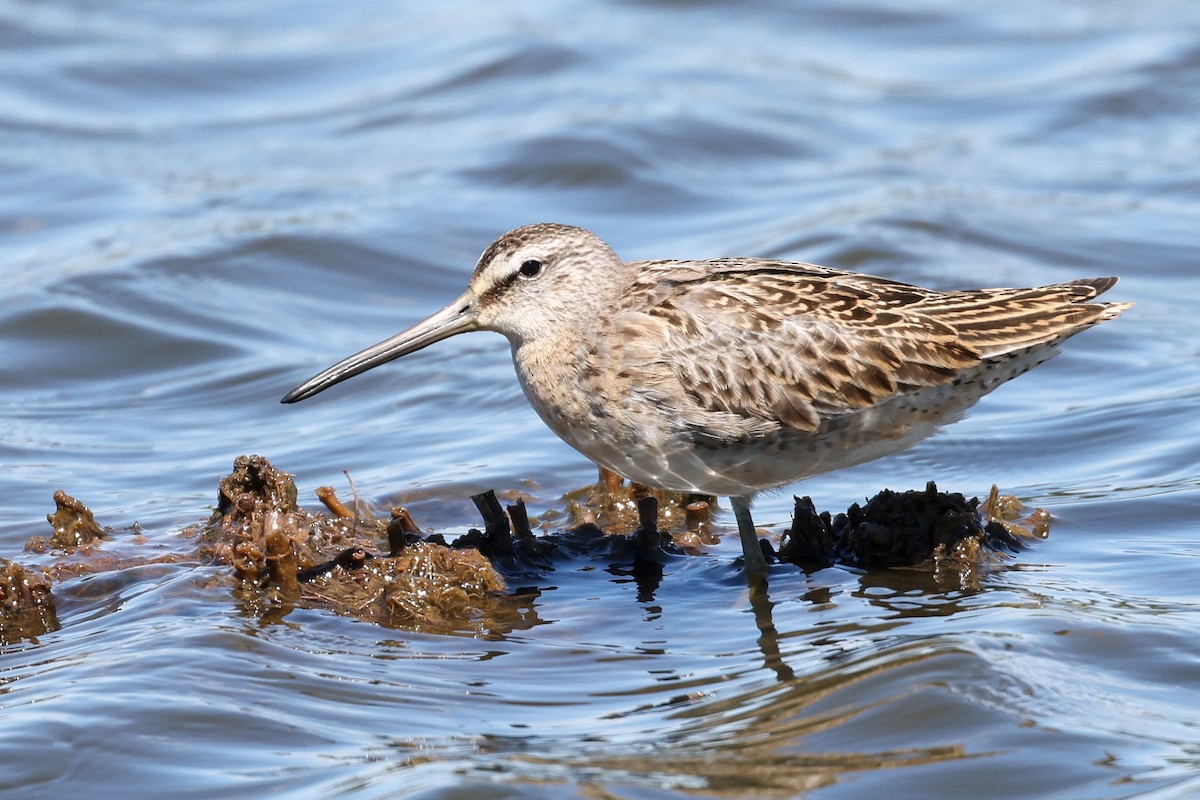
{"x": 756, "y": 564}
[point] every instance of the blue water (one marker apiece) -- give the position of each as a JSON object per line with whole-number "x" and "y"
{"x": 201, "y": 206}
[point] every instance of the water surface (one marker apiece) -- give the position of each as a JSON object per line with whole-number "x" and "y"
{"x": 202, "y": 206}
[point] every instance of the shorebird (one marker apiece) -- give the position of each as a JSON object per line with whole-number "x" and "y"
{"x": 734, "y": 375}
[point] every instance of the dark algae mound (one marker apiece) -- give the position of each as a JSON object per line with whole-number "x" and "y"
{"x": 899, "y": 529}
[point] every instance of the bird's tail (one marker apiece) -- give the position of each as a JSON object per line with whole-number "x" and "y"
{"x": 994, "y": 322}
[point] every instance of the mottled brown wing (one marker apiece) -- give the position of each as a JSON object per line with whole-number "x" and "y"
{"x": 781, "y": 347}
{"x": 764, "y": 345}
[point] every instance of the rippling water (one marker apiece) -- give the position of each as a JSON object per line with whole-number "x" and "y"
{"x": 201, "y": 205}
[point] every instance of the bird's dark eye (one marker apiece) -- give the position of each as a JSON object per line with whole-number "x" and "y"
{"x": 530, "y": 268}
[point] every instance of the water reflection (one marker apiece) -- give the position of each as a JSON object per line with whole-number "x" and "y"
{"x": 768, "y": 635}
{"x": 733, "y": 733}
{"x": 647, "y": 575}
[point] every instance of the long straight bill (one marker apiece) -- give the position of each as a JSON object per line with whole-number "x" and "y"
{"x": 458, "y": 317}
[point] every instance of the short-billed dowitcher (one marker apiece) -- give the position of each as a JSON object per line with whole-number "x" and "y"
{"x": 734, "y": 375}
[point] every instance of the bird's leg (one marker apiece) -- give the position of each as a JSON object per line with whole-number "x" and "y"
{"x": 756, "y": 564}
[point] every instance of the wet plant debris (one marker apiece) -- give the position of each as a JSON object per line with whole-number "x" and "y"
{"x": 281, "y": 556}
{"x": 26, "y": 604}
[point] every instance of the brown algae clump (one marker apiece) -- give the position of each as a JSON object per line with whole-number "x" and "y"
{"x": 26, "y": 604}
{"x": 73, "y": 524}
{"x": 428, "y": 586}
{"x": 283, "y": 556}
